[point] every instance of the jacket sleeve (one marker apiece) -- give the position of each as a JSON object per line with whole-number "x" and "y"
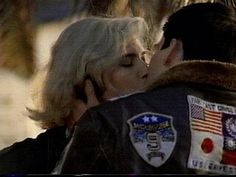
{"x": 33, "y": 156}
{"x": 84, "y": 149}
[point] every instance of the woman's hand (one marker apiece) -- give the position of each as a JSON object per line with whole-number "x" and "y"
{"x": 80, "y": 106}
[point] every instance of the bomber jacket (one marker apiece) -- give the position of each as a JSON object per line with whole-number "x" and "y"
{"x": 184, "y": 124}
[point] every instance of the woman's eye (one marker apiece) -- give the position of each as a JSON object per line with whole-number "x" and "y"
{"x": 127, "y": 60}
{"x": 127, "y": 64}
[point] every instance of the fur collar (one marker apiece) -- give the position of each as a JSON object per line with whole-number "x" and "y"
{"x": 199, "y": 71}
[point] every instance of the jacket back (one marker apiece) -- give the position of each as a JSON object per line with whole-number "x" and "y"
{"x": 175, "y": 128}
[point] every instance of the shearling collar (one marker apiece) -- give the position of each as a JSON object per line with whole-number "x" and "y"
{"x": 198, "y": 71}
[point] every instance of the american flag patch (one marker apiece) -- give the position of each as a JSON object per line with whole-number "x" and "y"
{"x": 205, "y": 120}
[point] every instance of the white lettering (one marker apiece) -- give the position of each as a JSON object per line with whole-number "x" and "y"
{"x": 226, "y": 109}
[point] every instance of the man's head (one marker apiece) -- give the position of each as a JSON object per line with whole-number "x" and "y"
{"x": 207, "y": 31}
{"x": 202, "y": 31}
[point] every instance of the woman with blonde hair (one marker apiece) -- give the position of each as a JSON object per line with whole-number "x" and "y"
{"x": 94, "y": 48}
{"x": 107, "y": 54}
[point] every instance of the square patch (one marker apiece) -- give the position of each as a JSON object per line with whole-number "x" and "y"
{"x": 213, "y": 136}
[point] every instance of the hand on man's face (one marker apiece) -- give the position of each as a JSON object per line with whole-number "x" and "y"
{"x": 80, "y": 107}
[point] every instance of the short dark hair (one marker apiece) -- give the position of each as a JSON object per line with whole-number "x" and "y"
{"x": 207, "y": 31}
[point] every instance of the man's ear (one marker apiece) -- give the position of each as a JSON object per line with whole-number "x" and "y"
{"x": 176, "y": 53}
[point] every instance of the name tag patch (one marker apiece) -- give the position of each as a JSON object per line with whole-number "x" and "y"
{"x": 153, "y": 137}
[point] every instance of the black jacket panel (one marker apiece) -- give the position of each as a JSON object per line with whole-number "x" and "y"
{"x": 185, "y": 124}
{"x": 34, "y": 156}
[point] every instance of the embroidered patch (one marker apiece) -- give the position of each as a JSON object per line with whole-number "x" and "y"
{"x": 153, "y": 137}
{"x": 213, "y": 136}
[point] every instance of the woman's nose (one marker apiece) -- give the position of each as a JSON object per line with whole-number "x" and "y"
{"x": 143, "y": 73}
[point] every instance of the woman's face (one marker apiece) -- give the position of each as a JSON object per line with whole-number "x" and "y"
{"x": 129, "y": 74}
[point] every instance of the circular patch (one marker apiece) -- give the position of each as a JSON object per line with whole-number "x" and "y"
{"x": 207, "y": 145}
{"x": 231, "y": 127}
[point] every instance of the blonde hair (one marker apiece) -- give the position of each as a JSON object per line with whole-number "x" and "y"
{"x": 86, "y": 47}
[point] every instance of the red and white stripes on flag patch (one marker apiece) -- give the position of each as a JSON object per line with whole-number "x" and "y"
{"x": 205, "y": 120}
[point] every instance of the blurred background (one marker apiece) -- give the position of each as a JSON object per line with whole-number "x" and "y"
{"x": 29, "y": 28}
